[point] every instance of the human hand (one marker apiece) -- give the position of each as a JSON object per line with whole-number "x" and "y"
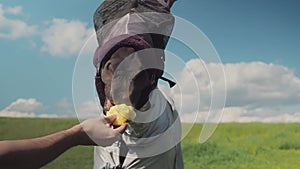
{"x": 99, "y": 131}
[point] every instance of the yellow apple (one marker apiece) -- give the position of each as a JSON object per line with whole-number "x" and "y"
{"x": 123, "y": 113}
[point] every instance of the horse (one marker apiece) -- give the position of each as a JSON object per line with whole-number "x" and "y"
{"x": 129, "y": 61}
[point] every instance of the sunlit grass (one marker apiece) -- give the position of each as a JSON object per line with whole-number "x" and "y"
{"x": 232, "y": 146}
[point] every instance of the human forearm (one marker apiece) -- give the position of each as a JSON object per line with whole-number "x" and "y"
{"x": 34, "y": 153}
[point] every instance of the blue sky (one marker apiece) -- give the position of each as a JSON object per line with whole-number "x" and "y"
{"x": 257, "y": 33}
{"x": 245, "y": 31}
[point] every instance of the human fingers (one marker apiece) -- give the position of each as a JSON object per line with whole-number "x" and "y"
{"x": 110, "y": 119}
{"x": 121, "y": 128}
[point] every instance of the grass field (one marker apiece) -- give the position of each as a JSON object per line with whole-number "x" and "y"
{"x": 233, "y": 145}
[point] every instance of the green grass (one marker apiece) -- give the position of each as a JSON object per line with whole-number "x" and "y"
{"x": 233, "y": 145}
{"x": 250, "y": 145}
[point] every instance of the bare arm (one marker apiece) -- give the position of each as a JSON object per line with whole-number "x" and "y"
{"x": 36, "y": 152}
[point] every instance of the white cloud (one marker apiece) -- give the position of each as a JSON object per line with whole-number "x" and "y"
{"x": 14, "y": 28}
{"x": 16, "y": 10}
{"x": 25, "y": 105}
{"x": 33, "y": 108}
{"x": 192, "y": 117}
{"x": 243, "y": 115}
{"x": 25, "y": 108}
{"x": 65, "y": 108}
{"x": 65, "y": 38}
{"x": 248, "y": 84}
{"x": 256, "y": 91}
{"x": 88, "y": 109}
{"x": 47, "y": 116}
{"x": 22, "y": 108}
{"x": 85, "y": 109}
{"x": 267, "y": 115}
{"x": 260, "y": 84}
{"x": 61, "y": 38}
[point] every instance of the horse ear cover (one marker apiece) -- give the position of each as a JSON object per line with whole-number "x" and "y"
{"x": 138, "y": 42}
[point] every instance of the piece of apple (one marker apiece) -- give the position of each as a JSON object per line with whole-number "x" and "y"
{"x": 123, "y": 113}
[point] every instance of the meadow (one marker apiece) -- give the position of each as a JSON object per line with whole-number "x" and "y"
{"x": 232, "y": 146}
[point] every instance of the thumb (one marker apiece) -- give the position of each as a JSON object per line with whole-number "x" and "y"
{"x": 110, "y": 119}
{"x": 121, "y": 128}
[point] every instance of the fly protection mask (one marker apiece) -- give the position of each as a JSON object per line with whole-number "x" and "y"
{"x": 143, "y": 25}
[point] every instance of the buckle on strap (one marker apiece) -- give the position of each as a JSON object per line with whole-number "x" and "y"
{"x": 171, "y": 83}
